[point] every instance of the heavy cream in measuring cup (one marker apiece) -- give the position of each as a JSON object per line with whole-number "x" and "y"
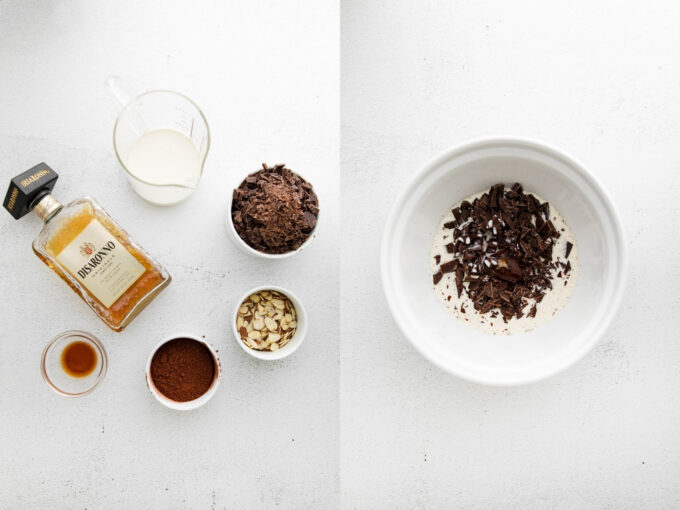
{"x": 164, "y": 157}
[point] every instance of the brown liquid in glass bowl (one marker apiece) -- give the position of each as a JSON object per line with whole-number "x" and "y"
{"x": 79, "y": 359}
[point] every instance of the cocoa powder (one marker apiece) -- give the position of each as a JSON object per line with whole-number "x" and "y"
{"x": 183, "y": 369}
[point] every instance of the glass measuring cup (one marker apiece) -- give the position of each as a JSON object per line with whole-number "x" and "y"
{"x": 161, "y": 139}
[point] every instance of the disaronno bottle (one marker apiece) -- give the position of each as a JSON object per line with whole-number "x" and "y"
{"x": 87, "y": 249}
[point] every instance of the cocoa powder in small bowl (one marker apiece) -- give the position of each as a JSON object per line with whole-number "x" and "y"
{"x": 183, "y": 370}
{"x": 274, "y": 211}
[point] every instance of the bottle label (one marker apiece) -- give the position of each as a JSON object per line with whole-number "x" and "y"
{"x": 101, "y": 263}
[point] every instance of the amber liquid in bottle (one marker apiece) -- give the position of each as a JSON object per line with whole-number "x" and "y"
{"x": 64, "y": 232}
{"x": 87, "y": 249}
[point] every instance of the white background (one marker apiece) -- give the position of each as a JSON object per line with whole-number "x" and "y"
{"x": 266, "y": 75}
{"x": 600, "y": 80}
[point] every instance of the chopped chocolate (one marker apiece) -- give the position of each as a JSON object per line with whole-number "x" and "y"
{"x": 449, "y": 267}
{"x": 502, "y": 246}
{"x": 568, "y": 250}
{"x": 274, "y": 210}
{"x": 436, "y": 278}
{"x": 437, "y": 259}
{"x": 459, "y": 280}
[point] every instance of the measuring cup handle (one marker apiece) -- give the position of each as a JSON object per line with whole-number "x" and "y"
{"x": 120, "y": 93}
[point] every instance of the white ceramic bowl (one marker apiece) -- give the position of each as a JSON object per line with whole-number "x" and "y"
{"x": 293, "y": 344}
{"x": 245, "y": 247}
{"x": 191, "y": 404}
{"x": 407, "y": 279}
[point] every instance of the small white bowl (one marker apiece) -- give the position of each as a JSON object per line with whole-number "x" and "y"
{"x": 293, "y": 344}
{"x": 246, "y": 248}
{"x": 190, "y": 404}
{"x": 407, "y": 279}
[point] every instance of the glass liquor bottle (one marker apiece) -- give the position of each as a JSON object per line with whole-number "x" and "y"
{"x": 88, "y": 249}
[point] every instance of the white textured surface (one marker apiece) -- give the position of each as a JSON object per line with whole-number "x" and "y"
{"x": 599, "y": 80}
{"x": 266, "y": 75}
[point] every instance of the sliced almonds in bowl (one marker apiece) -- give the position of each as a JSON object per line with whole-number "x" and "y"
{"x": 266, "y": 320}
{"x": 283, "y": 322}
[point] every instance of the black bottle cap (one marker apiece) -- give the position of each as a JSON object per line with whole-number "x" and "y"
{"x": 26, "y": 188}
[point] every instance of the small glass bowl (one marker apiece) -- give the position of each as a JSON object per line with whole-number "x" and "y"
{"x": 58, "y": 379}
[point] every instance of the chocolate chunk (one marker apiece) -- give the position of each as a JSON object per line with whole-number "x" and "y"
{"x": 459, "y": 280}
{"x": 450, "y": 248}
{"x": 513, "y": 266}
{"x": 308, "y": 221}
{"x": 448, "y": 267}
{"x": 507, "y": 275}
{"x": 437, "y": 259}
{"x": 568, "y": 250}
{"x": 436, "y": 278}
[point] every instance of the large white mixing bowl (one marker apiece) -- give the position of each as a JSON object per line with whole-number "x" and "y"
{"x": 407, "y": 278}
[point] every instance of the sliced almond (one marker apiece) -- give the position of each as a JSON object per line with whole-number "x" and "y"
{"x": 258, "y": 324}
{"x": 274, "y": 347}
{"x": 254, "y": 335}
{"x": 254, "y": 298}
{"x": 271, "y": 324}
{"x": 274, "y": 337}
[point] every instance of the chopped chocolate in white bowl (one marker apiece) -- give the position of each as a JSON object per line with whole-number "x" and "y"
{"x": 598, "y": 263}
{"x": 504, "y": 261}
{"x": 274, "y": 210}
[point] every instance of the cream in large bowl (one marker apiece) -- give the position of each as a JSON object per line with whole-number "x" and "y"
{"x": 406, "y": 266}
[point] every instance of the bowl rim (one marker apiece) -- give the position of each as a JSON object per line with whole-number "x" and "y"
{"x": 620, "y": 253}
{"x": 189, "y": 405}
{"x": 287, "y": 349}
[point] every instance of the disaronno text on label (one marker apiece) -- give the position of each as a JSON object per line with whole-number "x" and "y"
{"x": 12, "y": 199}
{"x": 34, "y": 177}
{"x": 98, "y": 257}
